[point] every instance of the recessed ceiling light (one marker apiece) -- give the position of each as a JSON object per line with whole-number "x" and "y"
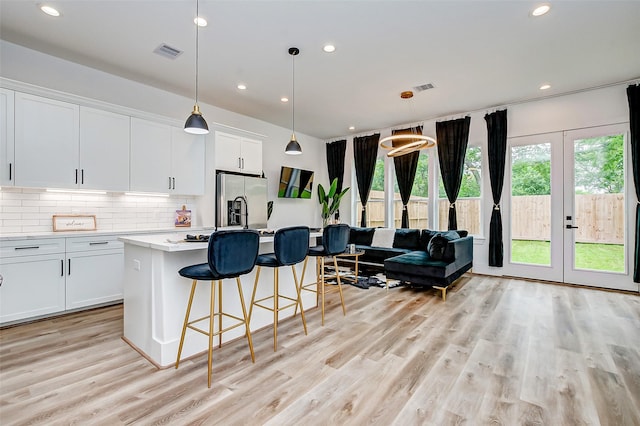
{"x": 242, "y": 87}
{"x": 545, "y": 86}
{"x": 541, "y": 10}
{"x": 284, "y": 99}
{"x": 201, "y": 22}
{"x": 329, "y": 48}
{"x": 51, "y": 11}
{"x": 352, "y": 127}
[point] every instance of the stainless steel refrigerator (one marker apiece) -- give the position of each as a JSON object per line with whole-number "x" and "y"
{"x": 241, "y": 201}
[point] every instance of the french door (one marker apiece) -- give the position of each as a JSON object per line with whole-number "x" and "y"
{"x": 568, "y": 204}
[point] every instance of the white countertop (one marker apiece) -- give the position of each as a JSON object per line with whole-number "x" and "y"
{"x": 175, "y": 241}
{"x": 64, "y": 234}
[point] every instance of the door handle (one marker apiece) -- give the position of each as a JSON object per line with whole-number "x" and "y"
{"x": 10, "y": 164}
{"x": 76, "y": 176}
{"x": 169, "y": 182}
{"x": 62, "y": 267}
{"x": 69, "y": 268}
{"x": 174, "y": 182}
{"x": 82, "y": 176}
{"x": 571, "y": 227}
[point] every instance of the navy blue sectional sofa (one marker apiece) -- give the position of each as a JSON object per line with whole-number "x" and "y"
{"x": 420, "y": 257}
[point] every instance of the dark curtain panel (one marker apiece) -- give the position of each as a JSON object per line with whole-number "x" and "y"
{"x": 335, "y": 164}
{"x": 365, "y": 153}
{"x": 497, "y": 144}
{"x": 452, "y": 136}
{"x": 406, "y": 166}
{"x": 633, "y": 94}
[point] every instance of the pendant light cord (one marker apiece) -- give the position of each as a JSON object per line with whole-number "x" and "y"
{"x": 293, "y": 94}
{"x": 197, "y": 45}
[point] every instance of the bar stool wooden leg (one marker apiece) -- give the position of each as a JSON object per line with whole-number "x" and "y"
{"x": 276, "y": 299}
{"x": 253, "y": 295}
{"x": 186, "y": 320}
{"x": 335, "y": 265}
{"x": 246, "y": 322}
{"x": 211, "y": 317}
{"x": 298, "y": 290}
{"x": 322, "y": 286}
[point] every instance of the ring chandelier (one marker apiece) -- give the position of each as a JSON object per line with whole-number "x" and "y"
{"x": 407, "y": 142}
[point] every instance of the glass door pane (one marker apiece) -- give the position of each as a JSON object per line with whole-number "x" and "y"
{"x": 531, "y": 204}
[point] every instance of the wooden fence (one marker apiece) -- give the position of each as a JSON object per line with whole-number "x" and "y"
{"x": 600, "y": 217}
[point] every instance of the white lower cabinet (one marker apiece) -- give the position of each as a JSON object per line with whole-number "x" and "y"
{"x": 33, "y": 279}
{"x": 95, "y": 269}
{"x": 48, "y": 276}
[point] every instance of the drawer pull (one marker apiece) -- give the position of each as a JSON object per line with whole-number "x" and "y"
{"x": 98, "y": 243}
{"x": 62, "y": 267}
{"x": 27, "y": 248}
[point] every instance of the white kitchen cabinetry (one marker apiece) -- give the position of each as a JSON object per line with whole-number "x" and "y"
{"x": 7, "y": 159}
{"x": 238, "y": 154}
{"x": 166, "y": 159}
{"x": 104, "y": 150}
{"x": 33, "y": 278}
{"x": 46, "y": 142}
{"x": 150, "y": 156}
{"x": 47, "y": 276}
{"x": 187, "y": 162}
{"x": 94, "y": 271}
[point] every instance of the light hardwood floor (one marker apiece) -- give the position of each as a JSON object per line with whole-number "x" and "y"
{"x": 499, "y": 351}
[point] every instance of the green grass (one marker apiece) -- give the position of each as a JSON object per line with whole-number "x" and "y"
{"x": 599, "y": 257}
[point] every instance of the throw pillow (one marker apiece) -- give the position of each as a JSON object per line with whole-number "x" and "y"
{"x": 383, "y": 237}
{"x": 450, "y": 235}
{"x": 437, "y": 246}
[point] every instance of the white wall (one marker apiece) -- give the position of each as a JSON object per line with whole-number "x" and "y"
{"x": 39, "y": 69}
{"x": 580, "y": 110}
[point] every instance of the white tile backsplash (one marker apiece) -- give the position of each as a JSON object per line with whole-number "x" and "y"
{"x": 26, "y": 210}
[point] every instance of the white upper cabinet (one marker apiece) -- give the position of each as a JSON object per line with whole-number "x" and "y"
{"x": 104, "y": 150}
{"x": 237, "y": 154}
{"x": 7, "y": 159}
{"x": 187, "y": 162}
{"x": 166, "y": 159}
{"x": 150, "y": 156}
{"x": 46, "y": 142}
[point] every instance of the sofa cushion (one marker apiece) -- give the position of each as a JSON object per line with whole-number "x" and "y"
{"x": 361, "y": 236}
{"x": 437, "y": 246}
{"x": 383, "y": 237}
{"x": 425, "y": 236}
{"x": 379, "y": 254}
{"x": 417, "y": 263}
{"x": 407, "y": 239}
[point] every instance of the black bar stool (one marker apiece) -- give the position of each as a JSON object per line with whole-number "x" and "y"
{"x": 230, "y": 254}
{"x": 290, "y": 247}
{"x": 334, "y": 241}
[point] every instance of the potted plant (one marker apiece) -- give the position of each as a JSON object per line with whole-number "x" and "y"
{"x": 329, "y": 201}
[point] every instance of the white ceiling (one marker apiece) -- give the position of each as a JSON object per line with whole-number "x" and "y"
{"x": 478, "y": 54}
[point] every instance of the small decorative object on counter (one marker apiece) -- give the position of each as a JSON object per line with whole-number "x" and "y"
{"x": 183, "y": 217}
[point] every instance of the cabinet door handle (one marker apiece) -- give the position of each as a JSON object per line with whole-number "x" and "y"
{"x": 62, "y": 267}
{"x": 10, "y": 164}
{"x": 76, "y": 176}
{"x": 169, "y": 182}
{"x": 27, "y": 248}
{"x": 243, "y": 163}
{"x": 69, "y": 267}
{"x": 97, "y": 243}
{"x": 82, "y": 177}
{"x": 174, "y": 182}
{"x": 239, "y": 163}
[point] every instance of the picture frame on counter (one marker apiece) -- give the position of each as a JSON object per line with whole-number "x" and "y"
{"x": 74, "y": 222}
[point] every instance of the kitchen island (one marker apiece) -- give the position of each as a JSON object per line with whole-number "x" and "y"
{"x": 155, "y": 296}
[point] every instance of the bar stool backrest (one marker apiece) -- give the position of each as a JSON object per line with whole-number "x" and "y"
{"x": 290, "y": 245}
{"x": 233, "y": 253}
{"x": 335, "y": 238}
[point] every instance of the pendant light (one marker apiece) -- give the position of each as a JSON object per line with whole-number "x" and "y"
{"x": 402, "y": 144}
{"x": 293, "y": 147}
{"x": 196, "y": 124}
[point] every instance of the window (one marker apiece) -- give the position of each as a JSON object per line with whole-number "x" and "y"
{"x": 375, "y": 203}
{"x": 419, "y": 202}
{"x": 468, "y": 204}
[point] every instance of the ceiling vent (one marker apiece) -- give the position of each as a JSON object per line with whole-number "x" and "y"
{"x": 423, "y": 87}
{"x": 167, "y": 51}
